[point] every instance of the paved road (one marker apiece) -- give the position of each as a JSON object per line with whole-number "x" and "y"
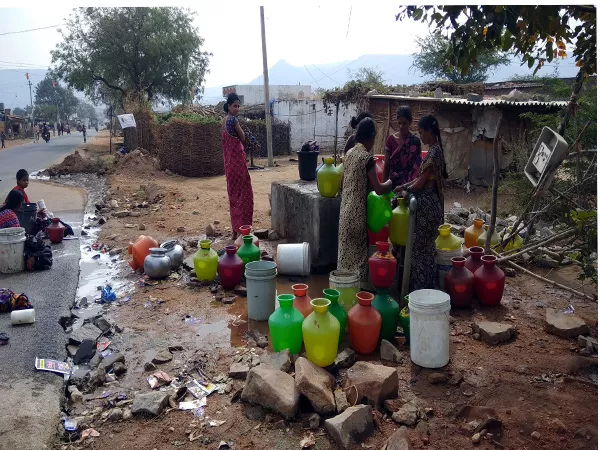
{"x": 29, "y": 415}
{"x": 34, "y": 157}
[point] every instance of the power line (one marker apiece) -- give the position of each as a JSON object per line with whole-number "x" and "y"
{"x": 326, "y": 75}
{"x": 349, "y": 17}
{"x": 312, "y": 76}
{"x": 32, "y": 29}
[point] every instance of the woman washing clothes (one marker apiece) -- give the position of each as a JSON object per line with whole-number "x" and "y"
{"x": 351, "y": 142}
{"x": 239, "y": 185}
{"x": 402, "y": 151}
{"x": 360, "y": 177}
{"x": 8, "y": 211}
{"x": 428, "y": 190}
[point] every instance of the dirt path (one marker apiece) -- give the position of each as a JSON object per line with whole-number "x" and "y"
{"x": 526, "y": 381}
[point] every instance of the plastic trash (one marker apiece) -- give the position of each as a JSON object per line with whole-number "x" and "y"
{"x": 108, "y": 295}
{"x": 70, "y": 425}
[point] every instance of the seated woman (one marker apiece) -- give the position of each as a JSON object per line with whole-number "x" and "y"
{"x": 8, "y": 216}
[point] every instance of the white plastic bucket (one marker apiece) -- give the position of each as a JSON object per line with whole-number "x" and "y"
{"x": 22, "y": 316}
{"x": 261, "y": 289}
{"x": 443, "y": 260}
{"x": 12, "y": 249}
{"x": 348, "y": 283}
{"x": 429, "y": 328}
{"x": 293, "y": 259}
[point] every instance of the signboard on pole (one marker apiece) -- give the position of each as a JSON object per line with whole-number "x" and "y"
{"x": 126, "y": 121}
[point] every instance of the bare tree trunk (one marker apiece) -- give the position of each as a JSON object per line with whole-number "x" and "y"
{"x": 492, "y": 225}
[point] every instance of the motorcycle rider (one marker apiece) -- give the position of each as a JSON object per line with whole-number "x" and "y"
{"x": 46, "y": 132}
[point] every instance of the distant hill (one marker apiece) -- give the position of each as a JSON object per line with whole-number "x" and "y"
{"x": 396, "y": 68}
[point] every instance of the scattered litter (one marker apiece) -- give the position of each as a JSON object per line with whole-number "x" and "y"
{"x": 97, "y": 256}
{"x": 192, "y": 320}
{"x": 199, "y": 412}
{"x": 568, "y": 310}
{"x": 158, "y": 379}
{"x": 102, "y": 344}
{"x": 125, "y": 299}
{"x": 4, "y": 338}
{"x": 70, "y": 425}
{"x": 148, "y": 282}
{"x": 109, "y": 378}
{"x": 237, "y": 321}
{"x": 108, "y": 295}
{"x": 90, "y": 432}
{"x": 548, "y": 378}
{"x": 308, "y": 441}
{"x": 122, "y": 396}
{"x": 224, "y": 446}
{"x": 105, "y": 353}
{"x": 216, "y": 423}
{"x": 52, "y": 365}
{"x": 192, "y": 404}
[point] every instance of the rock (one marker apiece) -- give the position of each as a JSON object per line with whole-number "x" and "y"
{"x": 87, "y": 331}
{"x": 345, "y": 359}
{"x": 374, "y": 383}
{"x": 115, "y": 415}
{"x": 76, "y": 395}
{"x": 388, "y": 352}
{"x": 96, "y": 377}
{"x": 180, "y": 229}
{"x": 394, "y": 404}
{"x": 272, "y": 389}
{"x": 162, "y": 356}
{"x": 239, "y": 370}
{"x": 476, "y": 439}
{"x": 188, "y": 263}
{"x": 142, "y": 227}
{"x": 150, "y": 403}
{"x": 119, "y": 368}
{"x": 494, "y": 332}
{"x": 110, "y": 360}
{"x": 314, "y": 421}
{"x": 240, "y": 291}
{"x": 149, "y": 366}
{"x": 316, "y": 384}
{"x": 588, "y": 342}
{"x": 341, "y": 402}
{"x": 85, "y": 352}
{"x": 114, "y": 204}
{"x": 260, "y": 339}
{"x": 558, "y": 426}
{"x": 351, "y": 427}
{"x": 115, "y": 251}
{"x": 564, "y": 325}
{"x": 102, "y": 220}
{"x": 103, "y": 324}
{"x": 254, "y": 412}
{"x": 406, "y": 415}
{"x": 273, "y": 236}
{"x": 437, "y": 378}
{"x": 135, "y": 214}
{"x": 398, "y": 441}
{"x": 455, "y": 219}
{"x": 280, "y": 360}
{"x": 210, "y": 230}
{"x": 261, "y": 234}
{"x": 121, "y": 214}
{"x": 535, "y": 435}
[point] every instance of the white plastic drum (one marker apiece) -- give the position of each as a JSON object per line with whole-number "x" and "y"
{"x": 429, "y": 328}
{"x": 293, "y": 259}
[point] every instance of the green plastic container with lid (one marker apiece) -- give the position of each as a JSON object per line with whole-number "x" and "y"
{"x": 249, "y": 252}
{"x": 336, "y": 310}
{"x": 285, "y": 325}
{"x": 328, "y": 179}
{"x": 206, "y": 261}
{"x": 379, "y": 210}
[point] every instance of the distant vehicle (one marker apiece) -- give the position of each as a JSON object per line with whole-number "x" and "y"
{"x": 46, "y": 136}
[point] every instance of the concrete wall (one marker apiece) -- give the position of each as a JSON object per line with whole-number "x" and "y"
{"x": 309, "y": 120}
{"x": 255, "y": 94}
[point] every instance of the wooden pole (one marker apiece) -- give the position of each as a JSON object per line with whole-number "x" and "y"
{"x": 570, "y": 107}
{"x": 266, "y": 84}
{"x": 337, "y": 110}
{"x": 557, "y": 237}
{"x": 492, "y": 226}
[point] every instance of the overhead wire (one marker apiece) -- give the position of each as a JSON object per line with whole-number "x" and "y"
{"x": 32, "y": 29}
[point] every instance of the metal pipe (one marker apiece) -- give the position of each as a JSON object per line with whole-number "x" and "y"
{"x": 412, "y": 208}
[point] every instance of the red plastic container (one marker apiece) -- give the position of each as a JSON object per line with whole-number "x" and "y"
{"x": 474, "y": 261}
{"x": 382, "y": 266}
{"x": 458, "y": 283}
{"x": 230, "y": 268}
{"x": 364, "y": 324}
{"x": 140, "y": 250}
{"x": 245, "y": 230}
{"x": 382, "y": 235}
{"x": 379, "y": 161}
{"x": 489, "y": 282}
{"x": 56, "y": 231}
{"x": 301, "y": 300}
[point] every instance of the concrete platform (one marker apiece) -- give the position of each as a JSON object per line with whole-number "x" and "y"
{"x": 300, "y": 214}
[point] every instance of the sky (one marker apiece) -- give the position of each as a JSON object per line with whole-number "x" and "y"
{"x": 309, "y": 33}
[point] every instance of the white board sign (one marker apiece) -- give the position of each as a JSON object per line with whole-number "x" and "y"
{"x": 126, "y": 120}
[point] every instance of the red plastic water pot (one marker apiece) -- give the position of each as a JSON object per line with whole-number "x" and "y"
{"x": 474, "y": 261}
{"x": 364, "y": 324}
{"x": 459, "y": 284}
{"x": 230, "y": 268}
{"x": 382, "y": 266}
{"x": 489, "y": 282}
{"x": 382, "y": 235}
{"x": 56, "y": 231}
{"x": 301, "y": 299}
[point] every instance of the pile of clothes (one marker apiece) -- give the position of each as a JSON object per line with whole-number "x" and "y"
{"x": 9, "y": 301}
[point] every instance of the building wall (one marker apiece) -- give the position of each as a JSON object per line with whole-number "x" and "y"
{"x": 309, "y": 120}
{"x": 255, "y": 94}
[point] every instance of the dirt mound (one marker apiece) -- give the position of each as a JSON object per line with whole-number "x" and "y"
{"x": 74, "y": 163}
{"x": 137, "y": 162}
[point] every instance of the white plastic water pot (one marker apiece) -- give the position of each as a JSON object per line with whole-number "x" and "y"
{"x": 261, "y": 287}
{"x": 429, "y": 328}
{"x": 12, "y": 248}
{"x": 293, "y": 259}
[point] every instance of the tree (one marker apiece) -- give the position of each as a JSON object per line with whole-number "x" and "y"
{"x": 538, "y": 34}
{"x": 149, "y": 53}
{"x": 431, "y": 61}
{"x": 86, "y": 111}
{"x": 52, "y": 99}
{"x": 22, "y": 111}
{"x": 369, "y": 76}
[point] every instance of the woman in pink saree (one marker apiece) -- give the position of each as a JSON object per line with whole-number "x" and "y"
{"x": 239, "y": 186}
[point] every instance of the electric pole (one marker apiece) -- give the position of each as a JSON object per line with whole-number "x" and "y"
{"x": 31, "y": 100}
{"x": 266, "y": 83}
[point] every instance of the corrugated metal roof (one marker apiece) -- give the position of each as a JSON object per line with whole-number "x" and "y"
{"x": 462, "y": 101}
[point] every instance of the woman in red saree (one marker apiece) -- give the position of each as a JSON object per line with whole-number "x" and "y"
{"x": 239, "y": 186}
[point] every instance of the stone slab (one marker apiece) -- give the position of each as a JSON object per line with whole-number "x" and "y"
{"x": 300, "y": 214}
{"x": 565, "y": 325}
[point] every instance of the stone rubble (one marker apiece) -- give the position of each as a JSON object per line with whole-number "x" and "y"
{"x": 494, "y": 332}
{"x": 272, "y": 389}
{"x": 565, "y": 325}
{"x": 352, "y": 427}
{"x": 315, "y": 384}
{"x": 374, "y": 383}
